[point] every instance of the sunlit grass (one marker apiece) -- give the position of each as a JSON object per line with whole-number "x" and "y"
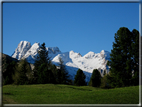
{"x": 68, "y": 94}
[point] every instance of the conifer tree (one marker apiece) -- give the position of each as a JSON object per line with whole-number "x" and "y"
{"x": 105, "y": 81}
{"x": 95, "y": 80}
{"x": 104, "y": 73}
{"x": 135, "y": 57}
{"x": 80, "y": 78}
{"x": 22, "y": 73}
{"x": 42, "y": 71}
{"x": 63, "y": 76}
{"x": 55, "y": 72}
{"x": 8, "y": 70}
{"x": 125, "y": 50}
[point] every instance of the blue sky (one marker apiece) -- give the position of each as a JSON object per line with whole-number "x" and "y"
{"x": 81, "y": 27}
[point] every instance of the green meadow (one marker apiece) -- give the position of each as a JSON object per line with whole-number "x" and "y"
{"x": 68, "y": 94}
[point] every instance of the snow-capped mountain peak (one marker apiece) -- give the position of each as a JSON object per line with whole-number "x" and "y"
{"x": 89, "y": 55}
{"x": 32, "y": 53}
{"x": 72, "y": 60}
{"x": 21, "y": 50}
{"x": 73, "y": 54}
{"x": 105, "y": 54}
{"x": 53, "y": 50}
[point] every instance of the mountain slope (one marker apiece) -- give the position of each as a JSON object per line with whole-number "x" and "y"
{"x": 72, "y": 60}
{"x": 21, "y": 50}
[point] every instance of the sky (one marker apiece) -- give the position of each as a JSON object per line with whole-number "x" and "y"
{"x": 81, "y": 27}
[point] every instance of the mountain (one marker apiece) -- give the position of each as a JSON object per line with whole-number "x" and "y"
{"x": 6, "y": 59}
{"x": 21, "y": 50}
{"x": 72, "y": 60}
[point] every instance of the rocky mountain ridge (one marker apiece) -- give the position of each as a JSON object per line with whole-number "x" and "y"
{"x": 72, "y": 60}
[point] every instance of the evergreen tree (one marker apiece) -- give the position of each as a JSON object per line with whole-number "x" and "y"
{"x": 80, "y": 78}
{"x": 121, "y": 58}
{"x": 42, "y": 71}
{"x": 8, "y": 70}
{"x": 63, "y": 76}
{"x": 55, "y": 72}
{"x": 105, "y": 82}
{"x": 95, "y": 79}
{"x": 45, "y": 75}
{"x": 59, "y": 76}
{"x": 22, "y": 73}
{"x": 104, "y": 72}
{"x": 135, "y": 57}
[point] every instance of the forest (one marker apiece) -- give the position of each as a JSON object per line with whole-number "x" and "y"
{"x": 123, "y": 72}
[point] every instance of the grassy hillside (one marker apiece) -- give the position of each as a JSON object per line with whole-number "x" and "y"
{"x": 67, "y": 94}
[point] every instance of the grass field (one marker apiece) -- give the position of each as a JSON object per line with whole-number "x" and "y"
{"x": 68, "y": 94}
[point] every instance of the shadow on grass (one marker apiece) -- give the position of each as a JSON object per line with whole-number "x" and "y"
{"x": 7, "y": 93}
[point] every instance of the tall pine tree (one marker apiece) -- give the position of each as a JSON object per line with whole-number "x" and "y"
{"x": 135, "y": 57}
{"x": 8, "y": 70}
{"x": 122, "y": 57}
{"x": 22, "y": 73}
{"x": 63, "y": 77}
{"x": 42, "y": 72}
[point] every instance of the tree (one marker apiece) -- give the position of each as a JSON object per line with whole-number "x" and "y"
{"x": 8, "y": 71}
{"x": 62, "y": 73}
{"x": 95, "y": 79}
{"x": 8, "y": 67}
{"x": 80, "y": 78}
{"x": 55, "y": 72}
{"x": 42, "y": 71}
{"x": 105, "y": 82}
{"x": 22, "y": 73}
{"x": 122, "y": 57}
{"x": 104, "y": 73}
{"x": 45, "y": 75}
{"x": 135, "y": 57}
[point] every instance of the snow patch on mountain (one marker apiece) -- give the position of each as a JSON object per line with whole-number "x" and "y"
{"x": 53, "y": 52}
{"x": 21, "y": 50}
{"x": 89, "y": 55}
{"x": 31, "y": 54}
{"x": 72, "y": 60}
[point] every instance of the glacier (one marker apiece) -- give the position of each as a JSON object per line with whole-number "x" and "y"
{"x": 72, "y": 60}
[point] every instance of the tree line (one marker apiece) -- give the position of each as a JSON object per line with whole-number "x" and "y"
{"x": 124, "y": 66}
{"x": 44, "y": 71}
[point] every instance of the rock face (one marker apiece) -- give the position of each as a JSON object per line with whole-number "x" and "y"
{"x": 31, "y": 54}
{"x": 21, "y": 50}
{"x": 72, "y": 60}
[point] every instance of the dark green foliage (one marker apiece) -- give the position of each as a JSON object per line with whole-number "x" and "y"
{"x": 105, "y": 81}
{"x": 59, "y": 76}
{"x": 135, "y": 57}
{"x": 104, "y": 73}
{"x": 42, "y": 71}
{"x": 62, "y": 74}
{"x": 43, "y": 55}
{"x": 54, "y": 72}
{"x": 8, "y": 68}
{"x": 44, "y": 75}
{"x": 80, "y": 78}
{"x": 23, "y": 73}
{"x": 124, "y": 58}
{"x": 95, "y": 80}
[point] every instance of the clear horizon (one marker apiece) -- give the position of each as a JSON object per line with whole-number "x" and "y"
{"x": 81, "y": 27}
